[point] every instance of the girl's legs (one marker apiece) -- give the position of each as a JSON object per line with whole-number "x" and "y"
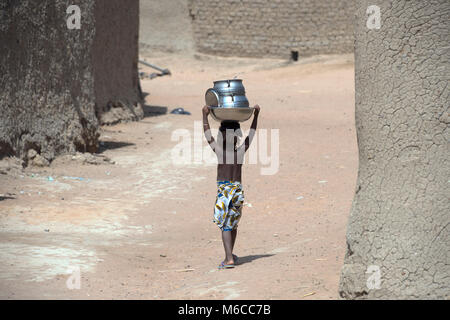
{"x": 227, "y": 239}
{"x": 233, "y": 239}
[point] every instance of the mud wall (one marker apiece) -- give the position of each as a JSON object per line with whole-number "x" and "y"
{"x": 46, "y": 79}
{"x": 56, "y": 81}
{"x": 114, "y": 59}
{"x": 268, "y": 28}
{"x": 398, "y": 238}
{"x": 165, "y": 26}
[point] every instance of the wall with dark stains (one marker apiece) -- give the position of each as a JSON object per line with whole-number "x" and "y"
{"x": 56, "y": 83}
{"x": 272, "y": 28}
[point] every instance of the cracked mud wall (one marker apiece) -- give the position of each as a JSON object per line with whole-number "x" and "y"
{"x": 46, "y": 79}
{"x": 400, "y": 215}
{"x": 58, "y": 84}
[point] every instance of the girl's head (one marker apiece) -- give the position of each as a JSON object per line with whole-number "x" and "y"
{"x": 230, "y": 129}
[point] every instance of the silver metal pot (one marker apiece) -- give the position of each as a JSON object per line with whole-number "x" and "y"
{"x": 233, "y": 101}
{"x": 212, "y": 98}
{"x": 227, "y": 87}
{"x": 227, "y": 101}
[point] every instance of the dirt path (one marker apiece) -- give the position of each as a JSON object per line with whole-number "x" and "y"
{"x": 141, "y": 228}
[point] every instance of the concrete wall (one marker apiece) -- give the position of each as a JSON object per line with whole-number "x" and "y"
{"x": 272, "y": 28}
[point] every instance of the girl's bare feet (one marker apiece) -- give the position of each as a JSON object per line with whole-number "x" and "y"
{"x": 225, "y": 265}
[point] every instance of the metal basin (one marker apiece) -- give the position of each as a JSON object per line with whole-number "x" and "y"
{"x": 231, "y": 114}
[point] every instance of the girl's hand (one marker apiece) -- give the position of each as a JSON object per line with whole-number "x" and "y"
{"x": 257, "y": 110}
{"x": 206, "y": 111}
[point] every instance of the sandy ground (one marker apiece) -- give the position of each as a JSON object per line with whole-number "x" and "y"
{"x": 141, "y": 228}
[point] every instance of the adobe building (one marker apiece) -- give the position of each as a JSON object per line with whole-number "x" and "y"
{"x": 268, "y": 28}
{"x": 248, "y": 28}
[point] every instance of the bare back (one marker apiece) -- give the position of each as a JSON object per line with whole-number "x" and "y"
{"x": 230, "y": 170}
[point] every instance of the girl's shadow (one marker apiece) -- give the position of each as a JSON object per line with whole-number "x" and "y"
{"x": 248, "y": 259}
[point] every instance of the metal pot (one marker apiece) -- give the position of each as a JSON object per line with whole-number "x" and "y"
{"x": 213, "y": 99}
{"x": 226, "y": 87}
{"x": 233, "y": 101}
{"x": 227, "y": 101}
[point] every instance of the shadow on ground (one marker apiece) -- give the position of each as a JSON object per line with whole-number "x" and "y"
{"x": 248, "y": 259}
{"x": 153, "y": 111}
{"x": 111, "y": 145}
{"x": 6, "y": 197}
